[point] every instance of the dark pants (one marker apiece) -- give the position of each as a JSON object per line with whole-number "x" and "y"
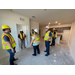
{"x": 36, "y": 48}
{"x": 53, "y": 41}
{"x": 11, "y": 56}
{"x": 47, "y": 44}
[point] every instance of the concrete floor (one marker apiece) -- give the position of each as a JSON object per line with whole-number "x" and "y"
{"x": 59, "y": 55}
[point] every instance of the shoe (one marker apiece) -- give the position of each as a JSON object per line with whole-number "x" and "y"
{"x": 38, "y": 53}
{"x": 45, "y": 51}
{"x": 15, "y": 64}
{"x": 21, "y": 48}
{"x": 34, "y": 54}
{"x": 15, "y": 59}
{"x": 51, "y": 45}
{"x": 46, "y": 54}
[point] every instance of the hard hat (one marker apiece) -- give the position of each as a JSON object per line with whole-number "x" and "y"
{"x": 53, "y": 28}
{"x": 35, "y": 30}
{"x": 5, "y": 27}
{"x": 21, "y": 30}
{"x": 47, "y": 27}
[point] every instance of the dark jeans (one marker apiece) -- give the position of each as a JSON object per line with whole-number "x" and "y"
{"x": 47, "y": 44}
{"x": 53, "y": 41}
{"x": 11, "y": 56}
{"x": 36, "y": 48}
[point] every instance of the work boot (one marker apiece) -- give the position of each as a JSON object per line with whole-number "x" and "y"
{"x": 46, "y": 54}
{"x": 34, "y": 54}
{"x": 15, "y": 59}
{"x": 45, "y": 51}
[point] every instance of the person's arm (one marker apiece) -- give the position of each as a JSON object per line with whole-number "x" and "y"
{"x": 32, "y": 40}
{"x": 50, "y": 35}
{"x": 54, "y": 34}
{"x": 6, "y": 39}
{"x": 8, "y": 43}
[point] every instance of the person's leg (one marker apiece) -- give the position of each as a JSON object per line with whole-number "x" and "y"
{"x": 34, "y": 47}
{"x": 11, "y": 56}
{"x": 52, "y": 42}
{"x": 24, "y": 43}
{"x": 48, "y": 47}
{"x": 21, "y": 43}
{"x": 38, "y": 50}
{"x": 45, "y": 46}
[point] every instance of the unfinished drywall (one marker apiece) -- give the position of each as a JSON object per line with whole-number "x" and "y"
{"x": 10, "y": 18}
{"x": 72, "y": 40}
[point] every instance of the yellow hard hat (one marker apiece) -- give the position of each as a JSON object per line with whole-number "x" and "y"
{"x": 5, "y": 27}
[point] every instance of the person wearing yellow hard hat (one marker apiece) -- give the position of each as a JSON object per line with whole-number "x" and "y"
{"x": 8, "y": 43}
{"x": 47, "y": 39}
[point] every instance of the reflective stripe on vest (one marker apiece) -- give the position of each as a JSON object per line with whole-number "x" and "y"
{"x": 21, "y": 36}
{"x": 36, "y": 39}
{"x": 11, "y": 40}
{"x": 47, "y": 36}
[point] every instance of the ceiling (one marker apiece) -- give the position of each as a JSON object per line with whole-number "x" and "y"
{"x": 43, "y": 17}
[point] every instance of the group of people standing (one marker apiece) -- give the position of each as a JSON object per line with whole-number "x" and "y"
{"x": 9, "y": 44}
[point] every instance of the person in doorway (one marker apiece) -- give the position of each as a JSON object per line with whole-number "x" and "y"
{"x": 47, "y": 39}
{"x": 54, "y": 35}
{"x": 8, "y": 43}
{"x": 22, "y": 37}
{"x": 35, "y": 41}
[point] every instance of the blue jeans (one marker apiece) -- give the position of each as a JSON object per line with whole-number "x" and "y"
{"x": 11, "y": 56}
{"x": 53, "y": 41}
{"x": 47, "y": 44}
{"x": 36, "y": 48}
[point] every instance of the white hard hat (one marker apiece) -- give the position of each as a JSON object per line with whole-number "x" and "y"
{"x": 47, "y": 27}
{"x": 35, "y": 30}
{"x": 53, "y": 28}
{"x": 21, "y": 30}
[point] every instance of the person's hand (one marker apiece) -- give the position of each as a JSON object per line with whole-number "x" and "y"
{"x": 13, "y": 50}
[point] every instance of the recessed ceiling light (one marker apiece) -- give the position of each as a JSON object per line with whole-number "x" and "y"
{"x": 59, "y": 23}
{"x": 56, "y": 22}
{"x": 49, "y": 23}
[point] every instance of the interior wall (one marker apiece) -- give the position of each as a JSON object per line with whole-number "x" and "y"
{"x": 10, "y": 18}
{"x": 72, "y": 40}
{"x": 34, "y": 25}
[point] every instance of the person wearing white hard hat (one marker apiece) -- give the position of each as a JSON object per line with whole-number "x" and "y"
{"x": 35, "y": 41}
{"x": 47, "y": 39}
{"x": 53, "y": 37}
{"x": 22, "y": 37}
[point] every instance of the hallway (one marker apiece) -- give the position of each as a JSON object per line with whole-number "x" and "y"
{"x": 60, "y": 55}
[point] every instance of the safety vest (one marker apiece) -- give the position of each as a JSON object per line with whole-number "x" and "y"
{"x": 53, "y": 34}
{"x": 11, "y": 40}
{"x": 47, "y": 36}
{"x": 21, "y": 36}
{"x": 36, "y": 39}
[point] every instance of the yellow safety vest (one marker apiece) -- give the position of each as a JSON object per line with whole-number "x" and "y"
{"x": 47, "y": 36}
{"x": 53, "y": 34}
{"x": 21, "y": 36}
{"x": 36, "y": 39}
{"x": 11, "y": 40}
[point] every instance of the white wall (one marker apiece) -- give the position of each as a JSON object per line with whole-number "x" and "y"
{"x": 72, "y": 40}
{"x": 34, "y": 25}
{"x": 11, "y": 19}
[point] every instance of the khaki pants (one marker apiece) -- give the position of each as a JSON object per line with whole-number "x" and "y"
{"x": 22, "y": 43}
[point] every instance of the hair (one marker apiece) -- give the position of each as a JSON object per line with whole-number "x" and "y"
{"x": 36, "y": 34}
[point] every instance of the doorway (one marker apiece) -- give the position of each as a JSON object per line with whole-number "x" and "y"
{"x": 23, "y": 27}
